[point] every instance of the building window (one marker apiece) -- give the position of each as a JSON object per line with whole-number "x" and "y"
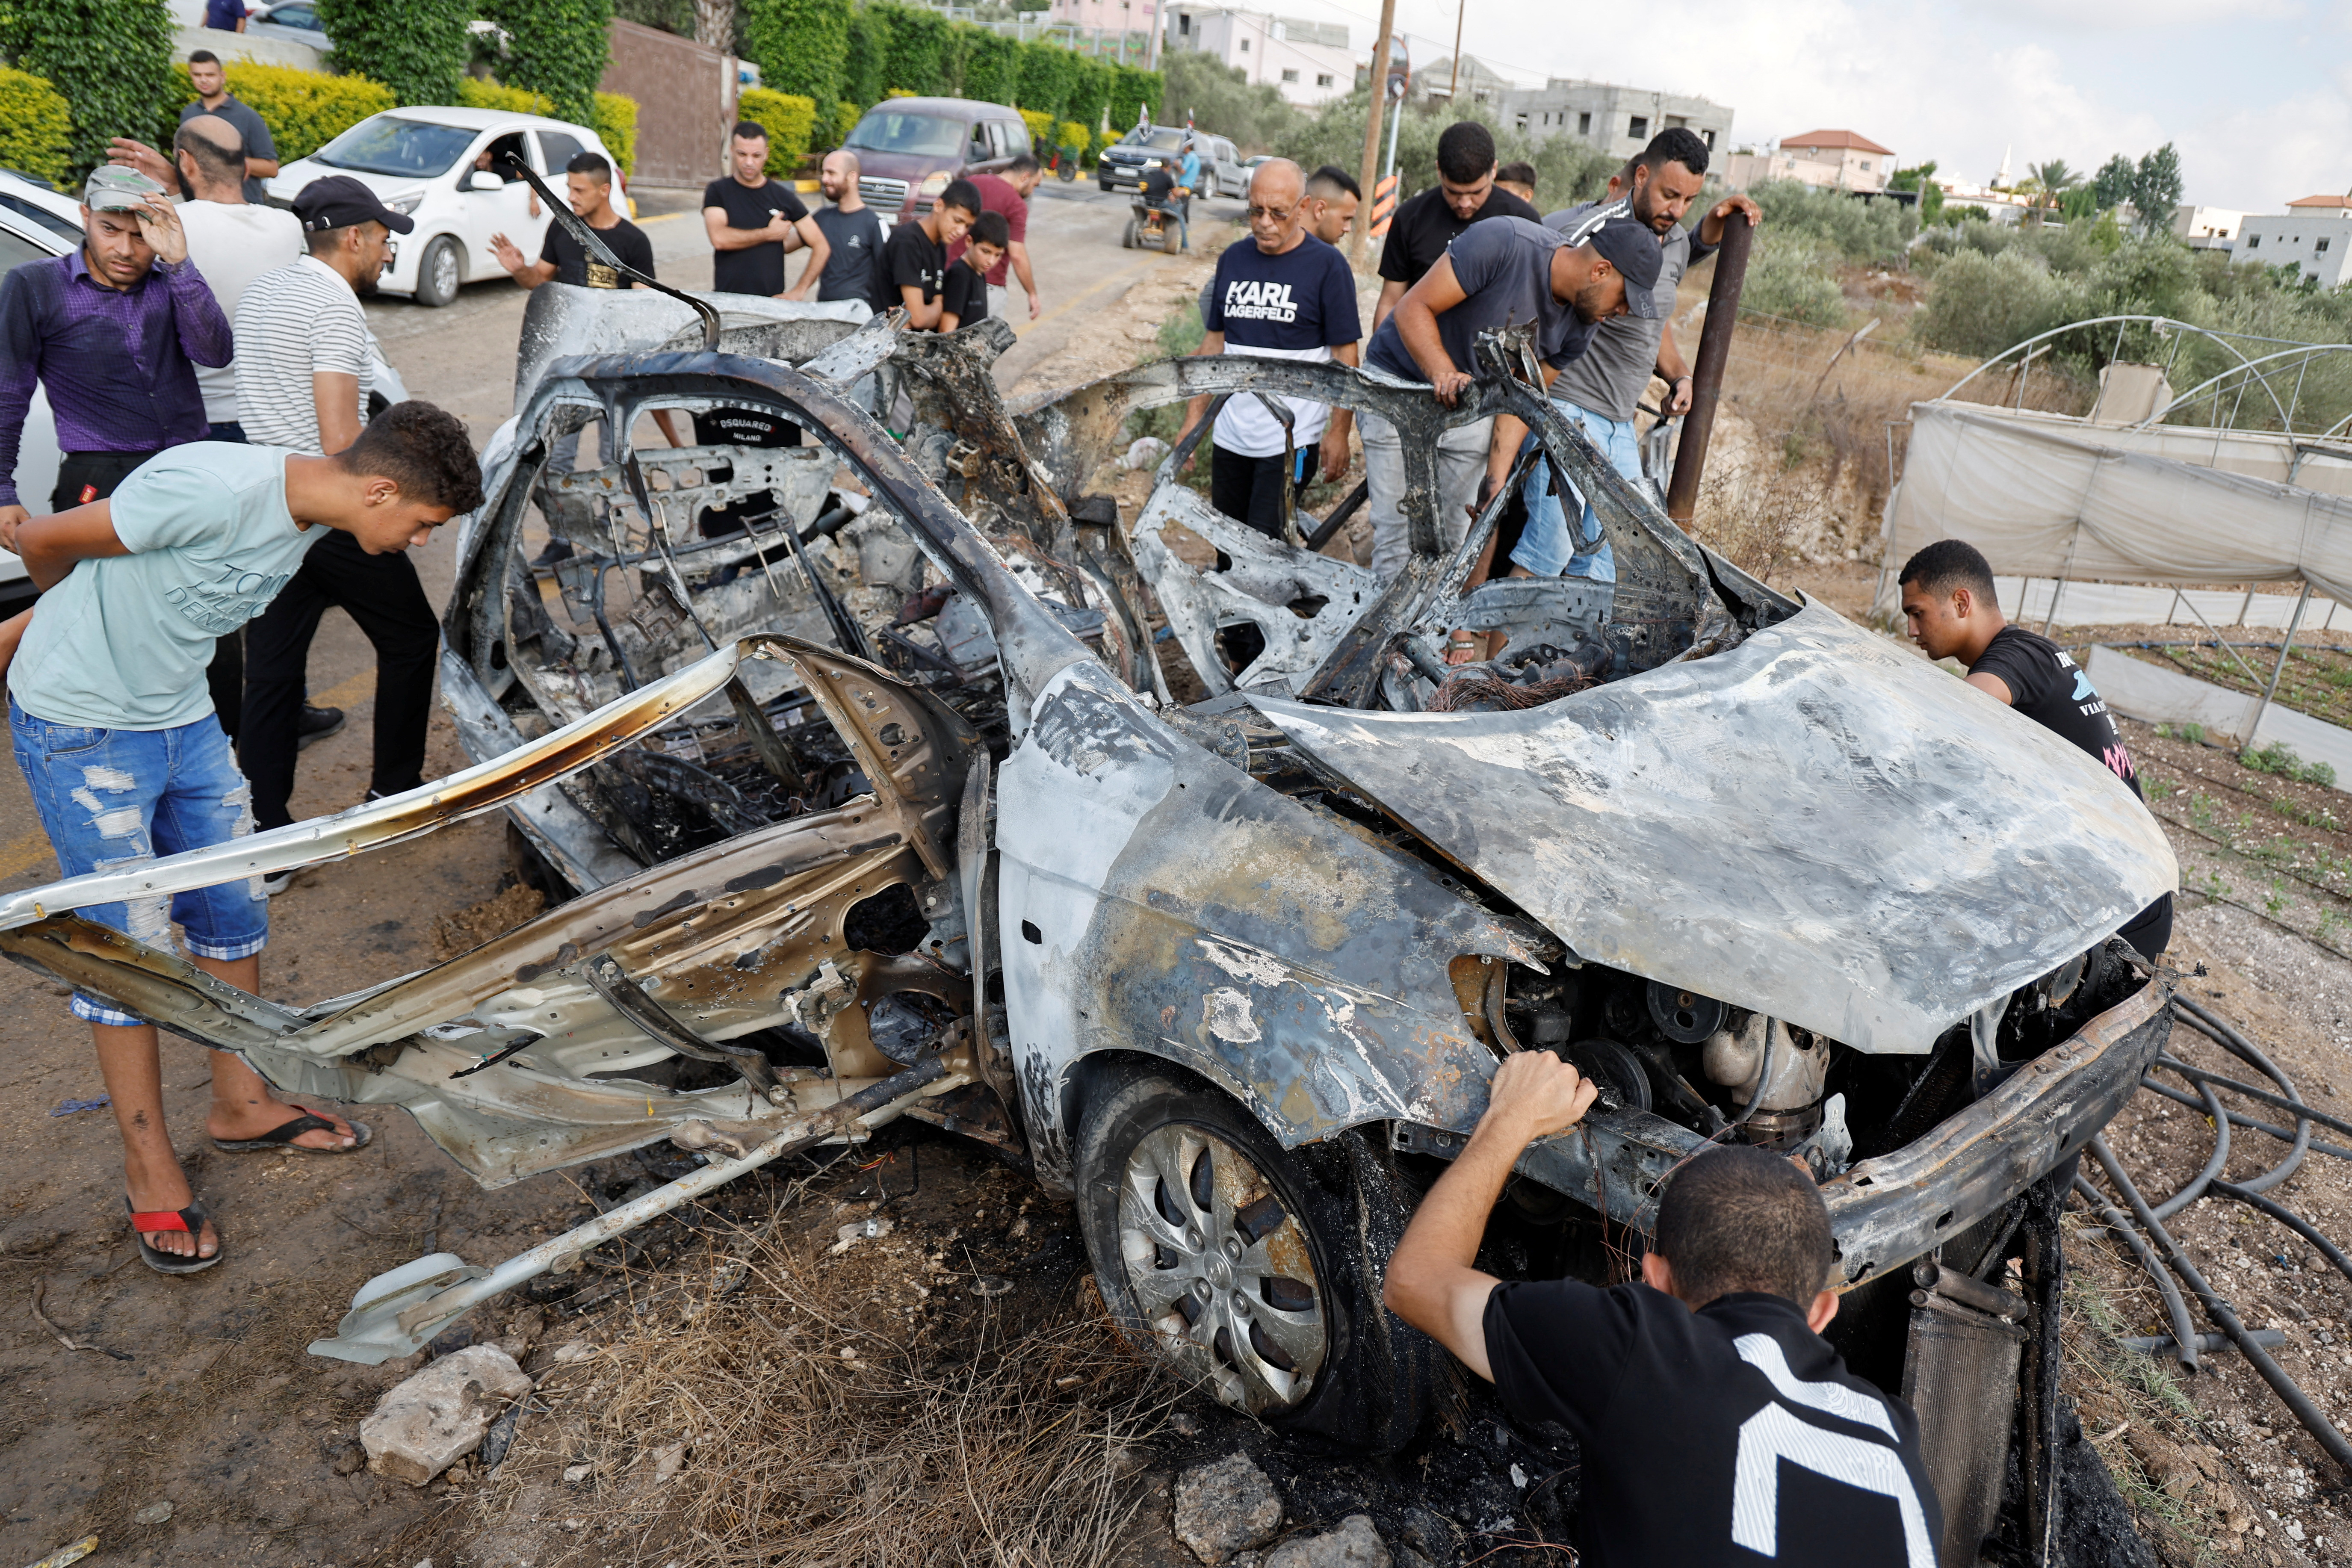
{"x": 2317, "y": 246}
{"x": 1865, "y": 165}
{"x": 1183, "y": 24}
{"x": 1584, "y": 125}
{"x": 1709, "y": 136}
{"x": 1522, "y": 122}
{"x": 1323, "y": 78}
{"x": 1244, "y": 45}
{"x": 1290, "y": 77}
{"x": 1675, "y": 122}
{"x": 1638, "y": 128}
{"x": 2253, "y": 242}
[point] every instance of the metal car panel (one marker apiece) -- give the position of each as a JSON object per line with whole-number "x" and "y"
{"x": 1816, "y": 825}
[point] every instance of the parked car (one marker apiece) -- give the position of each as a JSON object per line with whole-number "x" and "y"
{"x": 1124, "y": 162}
{"x": 289, "y": 21}
{"x": 1233, "y": 973}
{"x": 426, "y": 162}
{"x": 924, "y": 142}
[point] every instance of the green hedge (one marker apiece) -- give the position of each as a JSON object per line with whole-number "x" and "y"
{"x": 304, "y": 110}
{"x": 35, "y": 126}
{"x": 789, "y": 119}
{"x": 559, "y": 47}
{"x": 915, "y": 54}
{"x": 614, "y": 121}
{"x": 861, "y": 68}
{"x": 802, "y": 48}
{"x": 417, "y": 48}
{"x": 109, "y": 59}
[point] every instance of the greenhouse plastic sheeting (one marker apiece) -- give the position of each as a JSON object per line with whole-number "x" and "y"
{"x": 2046, "y": 496}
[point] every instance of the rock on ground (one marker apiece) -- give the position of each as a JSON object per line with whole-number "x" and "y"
{"x": 1355, "y": 1544}
{"x": 438, "y": 1416}
{"x": 1225, "y": 1508}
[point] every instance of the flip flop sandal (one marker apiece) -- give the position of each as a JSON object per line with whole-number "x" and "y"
{"x": 283, "y": 1135}
{"x": 190, "y": 1220}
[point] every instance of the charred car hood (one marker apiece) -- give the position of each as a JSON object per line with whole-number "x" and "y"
{"x": 1816, "y": 825}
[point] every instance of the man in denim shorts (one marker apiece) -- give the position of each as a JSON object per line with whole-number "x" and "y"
{"x": 114, "y": 729}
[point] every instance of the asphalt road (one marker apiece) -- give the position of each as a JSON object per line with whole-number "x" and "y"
{"x": 462, "y": 357}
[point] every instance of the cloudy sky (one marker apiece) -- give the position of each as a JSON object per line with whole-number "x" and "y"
{"x": 2257, "y": 94}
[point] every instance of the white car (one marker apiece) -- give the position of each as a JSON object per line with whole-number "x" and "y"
{"x": 425, "y": 162}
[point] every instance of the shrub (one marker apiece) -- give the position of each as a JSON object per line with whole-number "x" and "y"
{"x": 1860, "y": 231}
{"x": 802, "y": 48}
{"x": 616, "y": 121}
{"x": 559, "y": 47}
{"x": 915, "y": 58}
{"x": 991, "y": 66}
{"x": 1258, "y": 119}
{"x": 1048, "y": 71}
{"x": 861, "y": 71}
{"x": 1091, "y": 81}
{"x": 304, "y": 110}
{"x": 1131, "y": 90}
{"x": 789, "y": 119}
{"x": 419, "y": 50}
{"x": 1077, "y": 138}
{"x": 35, "y": 126}
{"x": 1983, "y": 304}
{"x": 111, "y": 60}
{"x": 846, "y": 116}
{"x": 1791, "y": 276}
{"x": 1041, "y": 129}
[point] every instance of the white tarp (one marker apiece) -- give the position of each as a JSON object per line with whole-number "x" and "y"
{"x": 2047, "y": 496}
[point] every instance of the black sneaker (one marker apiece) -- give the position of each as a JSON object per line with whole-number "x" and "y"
{"x": 557, "y": 551}
{"x": 317, "y": 724}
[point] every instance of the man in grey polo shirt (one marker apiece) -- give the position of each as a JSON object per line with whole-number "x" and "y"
{"x": 1603, "y": 385}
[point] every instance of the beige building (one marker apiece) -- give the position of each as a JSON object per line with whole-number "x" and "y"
{"x": 1829, "y": 159}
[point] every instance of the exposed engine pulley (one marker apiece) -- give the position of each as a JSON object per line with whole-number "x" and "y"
{"x": 1685, "y": 1017}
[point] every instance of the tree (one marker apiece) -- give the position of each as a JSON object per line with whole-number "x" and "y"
{"x": 110, "y": 60}
{"x": 2112, "y": 185}
{"x": 417, "y": 51}
{"x": 558, "y": 48}
{"x": 714, "y": 24}
{"x": 2156, "y": 189}
{"x": 1931, "y": 194}
{"x": 800, "y": 46}
{"x": 869, "y": 46}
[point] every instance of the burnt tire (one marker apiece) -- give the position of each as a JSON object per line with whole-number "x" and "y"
{"x": 1251, "y": 1270}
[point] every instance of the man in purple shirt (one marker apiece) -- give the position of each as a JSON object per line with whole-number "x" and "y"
{"x": 115, "y": 331}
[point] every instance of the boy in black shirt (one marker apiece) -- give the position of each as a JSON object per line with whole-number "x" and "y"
{"x": 588, "y": 184}
{"x": 1948, "y": 600}
{"x": 1715, "y": 1424}
{"x": 914, "y": 259}
{"x": 965, "y": 298}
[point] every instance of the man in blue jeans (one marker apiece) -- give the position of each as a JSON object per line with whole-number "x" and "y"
{"x": 1602, "y": 386}
{"x": 113, "y": 728}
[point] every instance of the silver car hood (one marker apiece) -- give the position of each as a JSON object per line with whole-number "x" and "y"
{"x": 1816, "y": 825}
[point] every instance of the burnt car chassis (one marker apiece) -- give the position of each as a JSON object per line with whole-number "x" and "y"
{"x": 1234, "y": 974}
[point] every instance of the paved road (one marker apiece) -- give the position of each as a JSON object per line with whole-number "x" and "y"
{"x": 462, "y": 357}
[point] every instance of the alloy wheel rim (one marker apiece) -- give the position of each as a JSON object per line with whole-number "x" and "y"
{"x": 444, "y": 270}
{"x": 1223, "y": 1274}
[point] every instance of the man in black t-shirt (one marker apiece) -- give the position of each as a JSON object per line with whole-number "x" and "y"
{"x": 1424, "y": 226}
{"x": 964, "y": 298}
{"x": 749, "y": 216}
{"x": 1715, "y": 1425}
{"x": 1948, "y": 600}
{"x": 588, "y": 182}
{"x": 851, "y": 229}
{"x": 915, "y": 261}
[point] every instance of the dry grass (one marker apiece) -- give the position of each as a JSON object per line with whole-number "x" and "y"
{"x": 799, "y": 1432}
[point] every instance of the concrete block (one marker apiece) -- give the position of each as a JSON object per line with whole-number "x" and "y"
{"x": 438, "y": 1416}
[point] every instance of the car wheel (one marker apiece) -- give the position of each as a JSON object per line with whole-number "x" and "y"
{"x": 1105, "y": 184}
{"x": 1127, "y": 235}
{"x": 439, "y": 273}
{"x": 1170, "y": 238}
{"x": 1223, "y": 1253}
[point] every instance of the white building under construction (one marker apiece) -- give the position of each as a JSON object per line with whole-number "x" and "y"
{"x": 1619, "y": 120}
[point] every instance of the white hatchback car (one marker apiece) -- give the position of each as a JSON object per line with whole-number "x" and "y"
{"x": 427, "y": 162}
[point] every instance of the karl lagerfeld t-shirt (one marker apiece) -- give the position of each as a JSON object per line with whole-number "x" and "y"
{"x": 1300, "y": 304}
{"x": 1733, "y": 1434}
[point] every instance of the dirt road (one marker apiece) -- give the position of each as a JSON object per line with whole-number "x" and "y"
{"x": 211, "y": 1405}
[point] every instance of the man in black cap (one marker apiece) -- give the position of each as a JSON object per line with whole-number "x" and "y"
{"x": 1502, "y": 273}
{"x": 302, "y": 351}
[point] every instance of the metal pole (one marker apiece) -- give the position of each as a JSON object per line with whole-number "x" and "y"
{"x": 1152, "y": 49}
{"x": 1394, "y": 121}
{"x": 2292, "y": 626}
{"x": 1706, "y": 375}
{"x": 1379, "y": 98}
{"x": 1453, "y": 84}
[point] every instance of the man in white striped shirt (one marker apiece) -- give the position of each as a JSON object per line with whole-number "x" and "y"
{"x": 303, "y": 348}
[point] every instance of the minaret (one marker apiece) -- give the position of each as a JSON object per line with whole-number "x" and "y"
{"x": 2000, "y": 180}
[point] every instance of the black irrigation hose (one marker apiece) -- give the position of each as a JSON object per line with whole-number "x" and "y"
{"x": 2250, "y": 1092}
{"x": 2189, "y": 1011}
{"x": 2184, "y": 1333}
{"x": 2239, "y": 1120}
{"x": 2322, "y": 1430}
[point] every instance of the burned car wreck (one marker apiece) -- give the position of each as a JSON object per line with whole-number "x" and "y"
{"x": 865, "y": 773}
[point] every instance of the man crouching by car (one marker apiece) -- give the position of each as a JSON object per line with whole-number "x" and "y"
{"x": 1715, "y": 1425}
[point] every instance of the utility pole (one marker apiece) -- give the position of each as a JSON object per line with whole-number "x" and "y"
{"x": 1150, "y": 49}
{"x": 1454, "y": 87}
{"x": 1380, "y": 97}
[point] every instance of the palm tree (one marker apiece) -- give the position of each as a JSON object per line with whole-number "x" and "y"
{"x": 2052, "y": 181}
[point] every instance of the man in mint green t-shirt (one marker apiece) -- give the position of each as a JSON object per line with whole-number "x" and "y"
{"x": 112, "y": 725}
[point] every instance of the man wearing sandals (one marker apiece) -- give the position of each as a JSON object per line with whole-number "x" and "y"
{"x": 114, "y": 730}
